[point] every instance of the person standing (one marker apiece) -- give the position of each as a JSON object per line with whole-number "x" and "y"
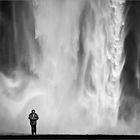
{"x": 33, "y": 117}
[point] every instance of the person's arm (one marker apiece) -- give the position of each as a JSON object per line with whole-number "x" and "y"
{"x": 37, "y": 117}
{"x": 30, "y": 117}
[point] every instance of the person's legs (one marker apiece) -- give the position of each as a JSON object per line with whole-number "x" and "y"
{"x": 32, "y": 129}
{"x": 35, "y": 129}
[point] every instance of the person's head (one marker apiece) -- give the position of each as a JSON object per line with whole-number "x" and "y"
{"x": 33, "y": 111}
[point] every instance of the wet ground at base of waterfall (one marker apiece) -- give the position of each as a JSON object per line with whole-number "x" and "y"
{"x": 65, "y": 136}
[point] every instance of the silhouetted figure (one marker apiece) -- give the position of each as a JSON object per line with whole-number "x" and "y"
{"x": 33, "y": 121}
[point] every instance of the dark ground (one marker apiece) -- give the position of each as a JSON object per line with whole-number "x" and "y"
{"x": 68, "y": 137}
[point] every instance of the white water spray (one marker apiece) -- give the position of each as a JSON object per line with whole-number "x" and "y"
{"x": 73, "y": 95}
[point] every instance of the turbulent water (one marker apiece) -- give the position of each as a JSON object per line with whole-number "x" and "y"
{"x": 76, "y": 62}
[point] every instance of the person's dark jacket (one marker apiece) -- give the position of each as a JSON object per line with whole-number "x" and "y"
{"x": 33, "y": 118}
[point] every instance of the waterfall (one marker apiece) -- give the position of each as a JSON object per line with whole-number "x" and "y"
{"x": 73, "y": 62}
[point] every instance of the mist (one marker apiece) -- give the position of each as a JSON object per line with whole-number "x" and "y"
{"x": 76, "y": 62}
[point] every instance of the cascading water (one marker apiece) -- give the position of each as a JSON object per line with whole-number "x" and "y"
{"x": 70, "y": 61}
